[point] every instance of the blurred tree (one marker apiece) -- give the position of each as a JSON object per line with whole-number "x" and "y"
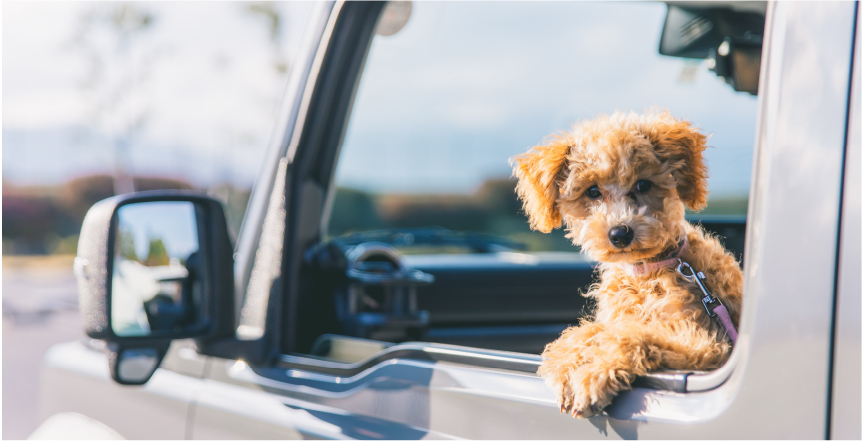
{"x": 78, "y": 195}
{"x": 40, "y": 220}
{"x": 127, "y": 244}
{"x": 30, "y": 218}
{"x": 494, "y": 208}
{"x": 271, "y": 17}
{"x": 353, "y": 210}
{"x": 107, "y": 36}
{"x": 273, "y": 21}
{"x": 157, "y": 255}
{"x": 235, "y": 201}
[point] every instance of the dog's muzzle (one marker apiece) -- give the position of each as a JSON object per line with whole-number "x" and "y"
{"x": 621, "y": 236}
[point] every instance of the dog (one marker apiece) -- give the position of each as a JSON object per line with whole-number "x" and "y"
{"x": 619, "y": 184}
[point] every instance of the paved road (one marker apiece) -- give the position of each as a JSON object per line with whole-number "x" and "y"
{"x": 40, "y": 308}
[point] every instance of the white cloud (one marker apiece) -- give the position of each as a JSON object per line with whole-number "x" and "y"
{"x": 476, "y": 81}
{"x": 42, "y": 109}
{"x": 477, "y": 114}
{"x": 209, "y": 86}
{"x": 481, "y": 83}
{"x": 471, "y": 75}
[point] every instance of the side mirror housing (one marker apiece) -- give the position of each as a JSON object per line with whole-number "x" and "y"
{"x": 153, "y": 267}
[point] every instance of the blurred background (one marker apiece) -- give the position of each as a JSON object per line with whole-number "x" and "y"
{"x": 107, "y": 98}
{"x": 446, "y": 101}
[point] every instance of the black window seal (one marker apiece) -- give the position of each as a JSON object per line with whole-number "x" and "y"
{"x": 321, "y": 136}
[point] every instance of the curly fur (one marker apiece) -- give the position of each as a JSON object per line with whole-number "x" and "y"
{"x": 641, "y": 323}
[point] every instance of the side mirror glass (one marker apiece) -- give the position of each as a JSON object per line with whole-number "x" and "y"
{"x": 153, "y": 267}
{"x": 157, "y": 269}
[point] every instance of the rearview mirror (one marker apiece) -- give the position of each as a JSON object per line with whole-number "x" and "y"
{"x": 729, "y": 36}
{"x": 153, "y": 267}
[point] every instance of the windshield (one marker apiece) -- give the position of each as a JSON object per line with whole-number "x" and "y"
{"x": 446, "y": 101}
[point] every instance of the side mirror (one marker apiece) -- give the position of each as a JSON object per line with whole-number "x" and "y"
{"x": 154, "y": 267}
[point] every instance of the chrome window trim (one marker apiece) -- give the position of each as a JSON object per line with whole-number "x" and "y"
{"x": 419, "y": 351}
{"x": 676, "y": 381}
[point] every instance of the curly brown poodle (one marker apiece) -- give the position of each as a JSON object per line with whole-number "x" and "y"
{"x": 619, "y": 184}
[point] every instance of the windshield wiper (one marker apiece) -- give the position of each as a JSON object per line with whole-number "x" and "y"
{"x": 434, "y": 236}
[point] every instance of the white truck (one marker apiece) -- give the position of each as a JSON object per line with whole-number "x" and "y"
{"x": 291, "y": 334}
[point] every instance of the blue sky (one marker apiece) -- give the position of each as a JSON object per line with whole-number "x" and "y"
{"x": 173, "y": 222}
{"x": 465, "y": 86}
{"x": 442, "y": 104}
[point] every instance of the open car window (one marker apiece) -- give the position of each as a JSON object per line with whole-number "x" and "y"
{"x": 445, "y": 102}
{"x": 426, "y": 243}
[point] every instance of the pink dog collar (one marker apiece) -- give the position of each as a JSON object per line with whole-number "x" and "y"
{"x": 644, "y": 268}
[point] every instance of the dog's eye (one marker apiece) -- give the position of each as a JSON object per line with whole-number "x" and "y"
{"x": 593, "y": 192}
{"x": 643, "y": 186}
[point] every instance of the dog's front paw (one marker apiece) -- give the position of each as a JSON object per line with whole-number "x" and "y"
{"x": 587, "y": 394}
{"x": 583, "y": 386}
{"x": 580, "y": 392}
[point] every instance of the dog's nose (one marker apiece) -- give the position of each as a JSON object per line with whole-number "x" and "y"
{"x": 621, "y": 236}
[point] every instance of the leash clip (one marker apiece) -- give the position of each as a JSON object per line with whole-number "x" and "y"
{"x": 709, "y": 302}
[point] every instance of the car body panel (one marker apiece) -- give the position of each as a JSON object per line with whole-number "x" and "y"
{"x": 795, "y": 206}
{"x": 75, "y": 378}
{"x": 846, "y": 405}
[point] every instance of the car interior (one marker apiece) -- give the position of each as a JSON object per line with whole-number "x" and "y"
{"x": 493, "y": 298}
{"x": 361, "y": 292}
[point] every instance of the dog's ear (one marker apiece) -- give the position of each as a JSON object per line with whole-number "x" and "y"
{"x": 538, "y": 172}
{"x": 681, "y": 146}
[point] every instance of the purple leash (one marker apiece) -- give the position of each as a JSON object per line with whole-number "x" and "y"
{"x": 713, "y": 305}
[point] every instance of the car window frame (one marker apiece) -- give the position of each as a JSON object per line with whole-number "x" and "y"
{"x": 283, "y": 140}
{"x": 312, "y": 160}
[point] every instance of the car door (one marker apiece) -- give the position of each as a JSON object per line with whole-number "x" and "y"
{"x": 846, "y": 401}
{"x": 75, "y": 381}
{"x": 776, "y": 383}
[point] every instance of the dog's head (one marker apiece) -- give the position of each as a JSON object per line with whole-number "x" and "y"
{"x": 619, "y": 183}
